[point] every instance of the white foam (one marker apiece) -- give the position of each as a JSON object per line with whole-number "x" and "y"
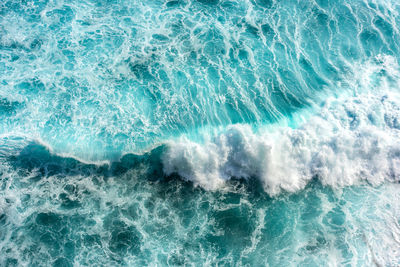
{"x": 350, "y": 139}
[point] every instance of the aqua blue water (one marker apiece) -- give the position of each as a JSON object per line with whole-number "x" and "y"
{"x": 199, "y": 133}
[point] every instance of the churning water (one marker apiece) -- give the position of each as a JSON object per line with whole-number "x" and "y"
{"x": 199, "y": 132}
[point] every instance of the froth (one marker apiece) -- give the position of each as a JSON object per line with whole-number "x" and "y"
{"x": 350, "y": 139}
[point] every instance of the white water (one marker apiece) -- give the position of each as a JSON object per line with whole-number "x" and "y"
{"x": 352, "y": 138}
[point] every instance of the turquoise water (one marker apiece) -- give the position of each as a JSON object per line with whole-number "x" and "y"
{"x": 154, "y": 133}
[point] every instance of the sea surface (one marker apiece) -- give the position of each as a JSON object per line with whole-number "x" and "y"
{"x": 200, "y": 133}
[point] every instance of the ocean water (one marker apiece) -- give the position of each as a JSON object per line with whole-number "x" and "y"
{"x": 199, "y": 133}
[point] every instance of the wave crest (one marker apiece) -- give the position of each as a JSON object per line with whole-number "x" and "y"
{"x": 350, "y": 140}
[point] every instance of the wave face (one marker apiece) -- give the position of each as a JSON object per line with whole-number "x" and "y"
{"x": 202, "y": 132}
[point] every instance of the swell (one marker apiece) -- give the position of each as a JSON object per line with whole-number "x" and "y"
{"x": 218, "y": 90}
{"x": 38, "y": 158}
{"x": 347, "y": 140}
